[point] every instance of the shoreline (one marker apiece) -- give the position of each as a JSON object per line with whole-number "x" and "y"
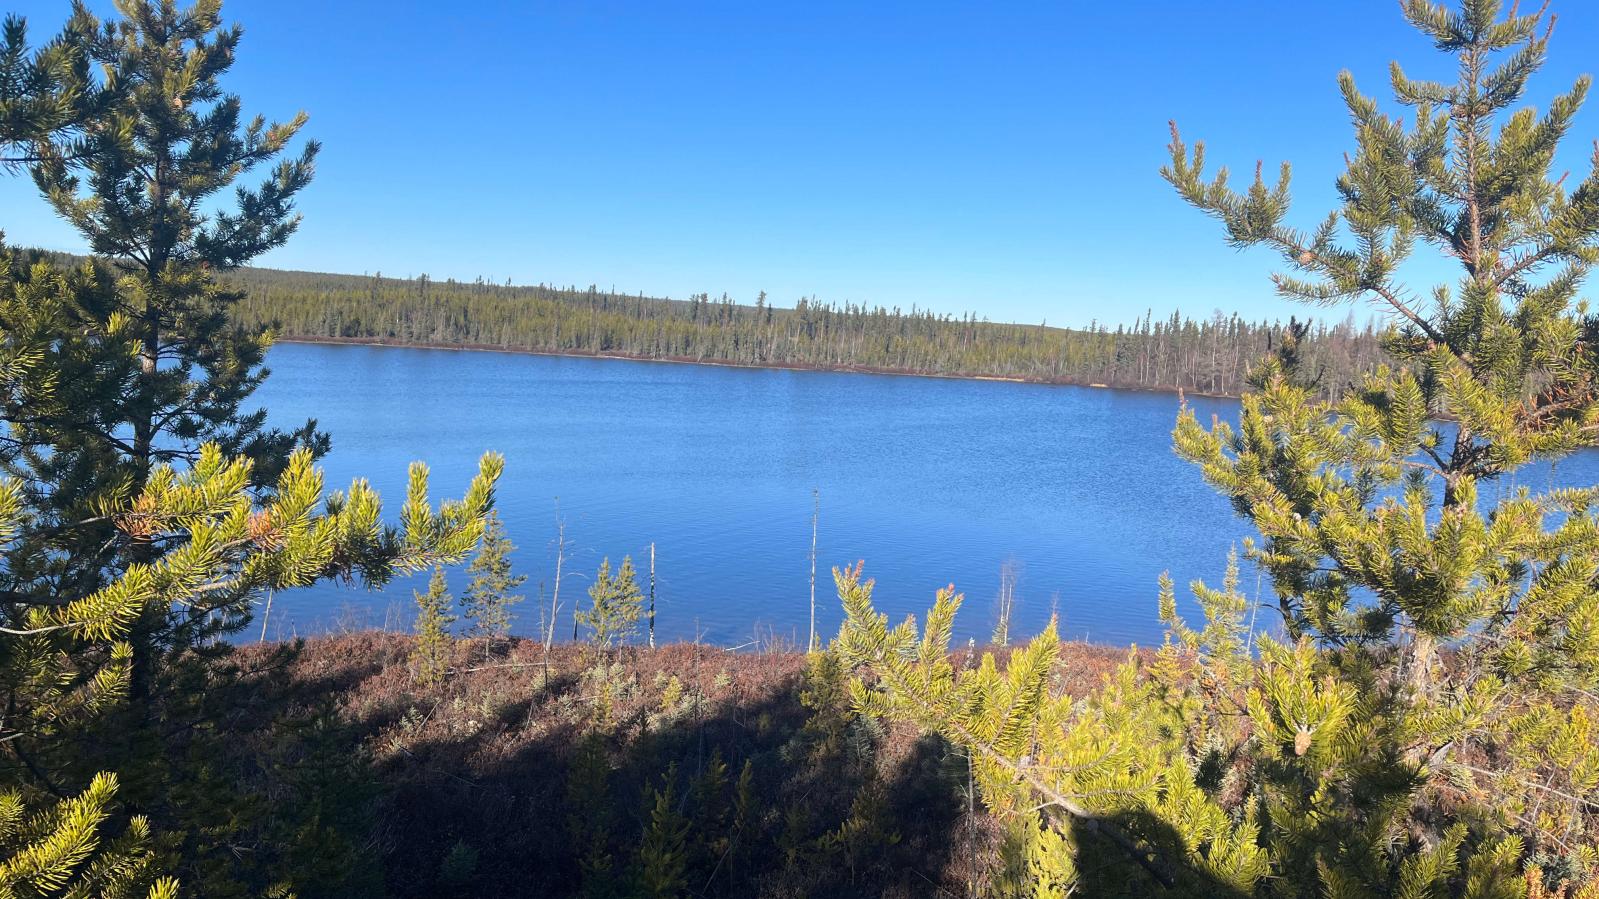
{"x": 510, "y": 644}
{"x": 727, "y": 363}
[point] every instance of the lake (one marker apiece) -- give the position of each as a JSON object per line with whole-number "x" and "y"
{"x": 930, "y": 481}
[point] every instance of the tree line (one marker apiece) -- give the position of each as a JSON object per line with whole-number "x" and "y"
{"x": 1207, "y": 355}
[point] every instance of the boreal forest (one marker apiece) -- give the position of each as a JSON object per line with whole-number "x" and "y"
{"x": 1206, "y": 355}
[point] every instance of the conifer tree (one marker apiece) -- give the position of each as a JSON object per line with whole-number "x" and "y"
{"x": 1382, "y": 545}
{"x": 130, "y": 361}
{"x": 46, "y": 94}
{"x": 68, "y": 665}
{"x": 1110, "y": 777}
{"x": 1427, "y": 728}
{"x": 144, "y": 183}
{"x": 663, "y": 849}
{"x": 488, "y": 599}
{"x": 108, "y": 373}
{"x": 615, "y": 604}
{"x": 431, "y": 654}
{"x": 52, "y": 839}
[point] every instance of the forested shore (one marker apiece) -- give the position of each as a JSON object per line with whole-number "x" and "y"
{"x": 1209, "y": 355}
{"x": 683, "y": 360}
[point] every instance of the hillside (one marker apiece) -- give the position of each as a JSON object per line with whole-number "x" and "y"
{"x": 534, "y": 774}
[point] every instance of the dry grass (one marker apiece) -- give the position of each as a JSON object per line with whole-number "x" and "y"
{"x": 484, "y": 761}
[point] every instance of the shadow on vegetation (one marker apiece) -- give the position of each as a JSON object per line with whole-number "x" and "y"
{"x": 1105, "y": 869}
{"x": 683, "y": 771}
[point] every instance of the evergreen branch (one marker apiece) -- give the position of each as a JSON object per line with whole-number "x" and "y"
{"x": 1410, "y": 315}
{"x": 1585, "y": 801}
{"x": 1150, "y": 860}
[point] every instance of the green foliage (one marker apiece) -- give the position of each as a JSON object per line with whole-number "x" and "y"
{"x": 459, "y": 865}
{"x": 131, "y": 360}
{"x": 663, "y": 853}
{"x": 1427, "y": 727}
{"x": 68, "y": 664}
{"x": 143, "y": 513}
{"x": 834, "y": 746}
{"x": 60, "y": 851}
{"x": 1209, "y": 355}
{"x": 46, "y": 94}
{"x": 1113, "y": 770}
{"x": 1380, "y": 542}
{"x": 615, "y": 604}
{"x": 591, "y": 817}
{"x": 1365, "y": 762}
{"x": 233, "y": 549}
{"x": 488, "y": 600}
{"x": 434, "y": 645}
{"x": 143, "y": 186}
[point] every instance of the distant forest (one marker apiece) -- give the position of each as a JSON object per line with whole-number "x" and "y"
{"x": 1210, "y": 355}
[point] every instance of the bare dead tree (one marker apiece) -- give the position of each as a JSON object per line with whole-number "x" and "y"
{"x": 816, "y": 511}
{"x": 1009, "y": 573}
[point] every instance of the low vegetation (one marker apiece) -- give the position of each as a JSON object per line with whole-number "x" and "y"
{"x": 702, "y": 772}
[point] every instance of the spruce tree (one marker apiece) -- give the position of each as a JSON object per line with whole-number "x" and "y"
{"x": 488, "y": 599}
{"x": 615, "y": 604}
{"x": 431, "y": 653}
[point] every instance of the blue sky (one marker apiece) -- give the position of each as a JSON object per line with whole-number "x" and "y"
{"x": 1000, "y": 158}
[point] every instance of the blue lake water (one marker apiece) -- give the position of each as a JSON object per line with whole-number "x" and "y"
{"x": 929, "y": 481}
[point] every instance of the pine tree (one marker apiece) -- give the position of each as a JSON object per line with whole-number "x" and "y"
{"x": 615, "y": 604}
{"x": 129, "y": 362}
{"x": 1428, "y": 726}
{"x": 431, "y": 655}
{"x": 488, "y": 599}
{"x": 53, "y": 839}
{"x": 1381, "y": 545}
{"x": 154, "y": 513}
{"x": 132, "y": 362}
{"x": 59, "y": 851}
{"x": 1110, "y": 776}
{"x": 663, "y": 849}
{"x": 144, "y": 182}
{"x": 68, "y": 665}
{"x": 46, "y": 93}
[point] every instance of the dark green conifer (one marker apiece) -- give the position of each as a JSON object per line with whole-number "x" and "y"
{"x": 145, "y": 184}
{"x": 663, "y": 850}
{"x": 151, "y": 513}
{"x": 46, "y": 94}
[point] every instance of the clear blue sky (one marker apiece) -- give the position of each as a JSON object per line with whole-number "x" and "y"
{"x": 1001, "y": 158}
